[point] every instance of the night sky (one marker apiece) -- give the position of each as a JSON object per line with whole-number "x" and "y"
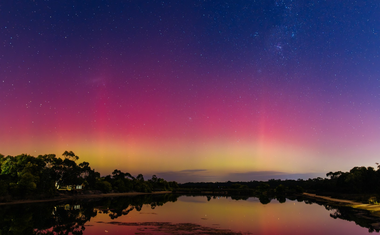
{"x": 193, "y": 90}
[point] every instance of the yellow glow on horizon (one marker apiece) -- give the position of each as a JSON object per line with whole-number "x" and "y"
{"x": 220, "y": 157}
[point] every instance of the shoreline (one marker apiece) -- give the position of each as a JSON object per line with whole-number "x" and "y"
{"x": 374, "y": 209}
{"x": 326, "y": 198}
{"x": 80, "y": 196}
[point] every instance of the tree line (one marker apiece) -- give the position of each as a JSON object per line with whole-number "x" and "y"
{"x": 359, "y": 180}
{"x": 360, "y": 183}
{"x": 27, "y": 176}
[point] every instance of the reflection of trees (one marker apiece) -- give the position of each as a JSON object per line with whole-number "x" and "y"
{"x": 281, "y": 199}
{"x": 70, "y": 217}
{"x": 264, "y": 199}
{"x": 360, "y": 217}
{"x": 124, "y": 205}
{"x": 16, "y": 220}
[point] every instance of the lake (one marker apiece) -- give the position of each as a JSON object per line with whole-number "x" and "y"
{"x": 174, "y": 214}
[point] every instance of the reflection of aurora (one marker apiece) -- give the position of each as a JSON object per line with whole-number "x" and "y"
{"x": 74, "y": 217}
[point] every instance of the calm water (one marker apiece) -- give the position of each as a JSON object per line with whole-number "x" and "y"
{"x": 170, "y": 214}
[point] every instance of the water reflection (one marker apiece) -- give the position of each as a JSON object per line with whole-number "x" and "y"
{"x": 360, "y": 217}
{"x": 210, "y": 213}
{"x": 70, "y": 217}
